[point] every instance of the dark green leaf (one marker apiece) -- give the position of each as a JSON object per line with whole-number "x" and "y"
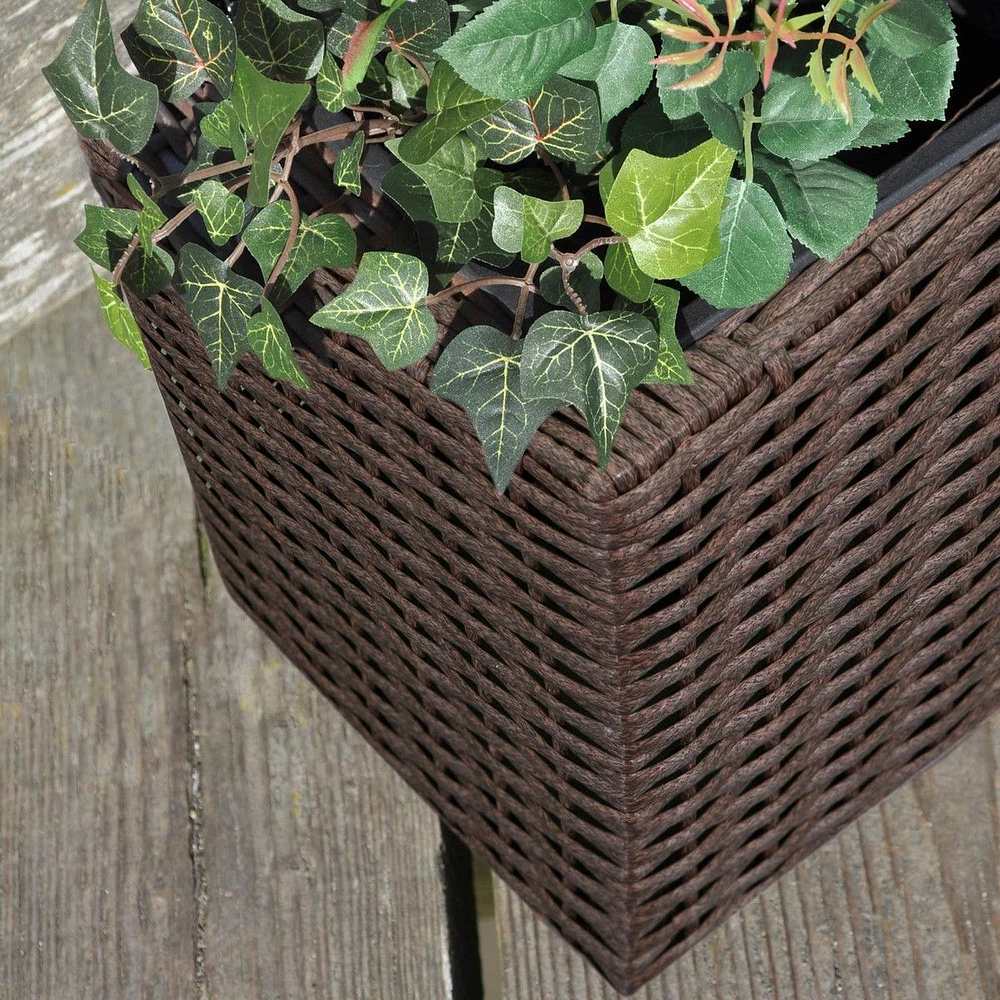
{"x": 100, "y": 98}
{"x": 453, "y": 106}
{"x": 909, "y": 29}
{"x": 592, "y": 362}
{"x": 347, "y": 169}
{"x": 480, "y": 370}
{"x": 330, "y": 90}
{"x": 449, "y": 176}
{"x": 385, "y": 307}
{"x": 220, "y": 303}
{"x": 563, "y": 118}
{"x": 620, "y": 63}
{"x": 584, "y": 279}
{"x": 145, "y": 274}
{"x": 880, "y": 132}
{"x": 676, "y": 104}
{"x": 279, "y": 41}
{"x": 514, "y": 46}
{"x": 529, "y": 226}
{"x": 420, "y": 27}
{"x": 264, "y": 108}
{"x": 325, "y": 241}
{"x": 107, "y": 233}
{"x": 624, "y": 275}
{"x": 178, "y": 44}
{"x": 650, "y": 129}
{"x": 222, "y": 128}
{"x": 756, "y": 252}
{"x": 409, "y": 89}
{"x": 917, "y": 88}
{"x": 119, "y": 319}
{"x": 220, "y": 210}
{"x": 671, "y": 366}
{"x": 151, "y": 217}
{"x": 269, "y": 339}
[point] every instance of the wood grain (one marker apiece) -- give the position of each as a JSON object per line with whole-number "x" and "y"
{"x": 95, "y": 879}
{"x": 45, "y": 181}
{"x": 902, "y": 905}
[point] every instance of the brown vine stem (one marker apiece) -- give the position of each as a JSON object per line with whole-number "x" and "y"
{"x": 336, "y": 132}
{"x": 522, "y": 302}
{"x": 525, "y": 284}
{"x": 293, "y": 232}
{"x": 413, "y": 61}
{"x": 556, "y": 172}
{"x": 597, "y": 220}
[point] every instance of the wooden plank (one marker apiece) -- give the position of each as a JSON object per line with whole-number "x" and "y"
{"x": 322, "y": 870}
{"x": 97, "y": 559}
{"x": 45, "y": 179}
{"x": 902, "y": 905}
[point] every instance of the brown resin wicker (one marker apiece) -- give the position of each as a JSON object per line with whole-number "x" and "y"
{"x": 641, "y": 695}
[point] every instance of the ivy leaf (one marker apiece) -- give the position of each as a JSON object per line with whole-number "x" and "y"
{"x": 480, "y": 370}
{"x": 330, "y": 86}
{"x": 385, "y": 307}
{"x": 264, "y": 108}
{"x": 624, "y": 275}
{"x": 514, "y": 46}
{"x": 325, "y": 241}
{"x": 916, "y": 88}
{"x": 269, "y": 339}
{"x": 107, "y": 233}
{"x": 669, "y": 208}
{"x": 797, "y": 125}
{"x": 178, "y": 44}
{"x": 363, "y": 45}
{"x": 220, "y": 210}
{"x": 420, "y": 27}
{"x": 222, "y": 128}
{"x": 409, "y": 88}
{"x": 826, "y": 205}
{"x": 756, "y": 253}
{"x": 220, "y": 303}
{"x": 151, "y": 217}
{"x": 563, "y": 118}
{"x": 592, "y": 362}
{"x": 529, "y": 226}
{"x": 449, "y": 176}
{"x": 347, "y": 168}
{"x": 671, "y": 366}
{"x": 145, "y": 274}
{"x": 279, "y": 41}
{"x": 620, "y": 63}
{"x": 100, "y": 98}
{"x": 119, "y": 319}
{"x": 453, "y": 106}
{"x": 584, "y": 279}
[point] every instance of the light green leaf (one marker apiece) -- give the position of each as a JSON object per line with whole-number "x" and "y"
{"x": 364, "y": 43}
{"x": 620, "y": 63}
{"x": 385, "y": 307}
{"x": 826, "y": 205}
{"x": 514, "y": 46}
{"x": 151, "y": 217}
{"x": 624, "y": 275}
{"x": 420, "y": 27}
{"x": 330, "y": 90}
{"x": 671, "y": 366}
{"x": 584, "y": 279}
{"x": 917, "y": 88}
{"x": 797, "y": 125}
{"x": 670, "y": 208}
{"x": 279, "y": 41}
{"x": 99, "y": 97}
{"x": 449, "y": 175}
{"x": 756, "y": 253}
{"x": 347, "y": 169}
{"x": 107, "y": 234}
{"x": 222, "y": 128}
{"x": 220, "y": 210}
{"x": 480, "y": 370}
{"x": 592, "y": 362}
{"x": 178, "y": 44}
{"x": 563, "y": 118}
{"x": 453, "y": 106}
{"x": 220, "y": 303}
{"x": 269, "y": 339}
{"x": 325, "y": 241}
{"x": 119, "y": 319}
{"x": 529, "y": 226}
{"x": 265, "y": 109}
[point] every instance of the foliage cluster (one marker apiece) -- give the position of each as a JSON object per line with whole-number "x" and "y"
{"x": 590, "y": 151}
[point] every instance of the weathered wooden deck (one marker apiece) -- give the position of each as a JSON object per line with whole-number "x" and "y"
{"x": 182, "y": 816}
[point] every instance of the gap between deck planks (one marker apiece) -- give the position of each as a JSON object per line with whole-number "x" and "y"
{"x": 181, "y": 814}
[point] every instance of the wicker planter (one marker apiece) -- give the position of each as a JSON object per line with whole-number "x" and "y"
{"x": 796, "y": 560}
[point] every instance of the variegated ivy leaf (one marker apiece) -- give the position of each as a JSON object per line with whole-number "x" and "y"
{"x": 269, "y": 340}
{"x": 330, "y": 90}
{"x": 220, "y": 210}
{"x": 449, "y": 176}
{"x": 364, "y": 43}
{"x": 100, "y": 98}
{"x": 584, "y": 279}
{"x": 385, "y": 307}
{"x": 220, "y": 303}
{"x": 529, "y": 226}
{"x": 178, "y": 44}
{"x": 151, "y": 216}
{"x": 624, "y": 275}
{"x": 452, "y": 106}
{"x": 671, "y": 366}
{"x": 280, "y": 41}
{"x": 480, "y": 370}
{"x": 265, "y": 109}
{"x": 221, "y": 127}
{"x": 514, "y": 46}
{"x": 105, "y": 238}
{"x": 119, "y": 319}
{"x": 145, "y": 274}
{"x": 420, "y": 27}
{"x": 347, "y": 169}
{"x": 592, "y": 362}
{"x": 669, "y": 209}
{"x": 563, "y": 118}
{"x": 325, "y": 241}
{"x": 409, "y": 88}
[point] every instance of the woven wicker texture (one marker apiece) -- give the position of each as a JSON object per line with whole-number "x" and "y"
{"x": 643, "y": 694}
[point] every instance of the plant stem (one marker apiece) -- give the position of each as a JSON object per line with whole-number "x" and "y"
{"x": 522, "y": 302}
{"x": 336, "y": 132}
{"x": 749, "y": 117}
{"x": 614, "y": 10}
{"x": 597, "y": 220}
{"x": 600, "y": 241}
{"x": 293, "y": 232}
{"x": 556, "y": 172}
{"x": 468, "y": 286}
